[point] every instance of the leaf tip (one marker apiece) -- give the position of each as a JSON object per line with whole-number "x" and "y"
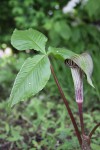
{"x": 90, "y": 81}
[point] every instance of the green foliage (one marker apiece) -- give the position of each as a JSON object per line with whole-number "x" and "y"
{"x": 50, "y": 125}
{"x": 93, "y": 7}
{"x": 62, "y": 53}
{"x": 42, "y": 123}
{"x": 63, "y": 30}
{"x": 82, "y": 34}
{"x": 31, "y": 79}
{"x": 9, "y": 66}
{"x": 49, "y": 19}
{"x": 28, "y": 39}
{"x": 84, "y": 61}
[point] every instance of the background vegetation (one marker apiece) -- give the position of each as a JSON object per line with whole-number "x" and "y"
{"x": 42, "y": 123}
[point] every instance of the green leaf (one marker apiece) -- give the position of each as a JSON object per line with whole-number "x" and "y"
{"x": 84, "y": 61}
{"x": 31, "y": 79}
{"x": 62, "y": 53}
{"x": 28, "y": 39}
{"x": 95, "y": 146}
{"x": 63, "y": 29}
{"x": 93, "y": 7}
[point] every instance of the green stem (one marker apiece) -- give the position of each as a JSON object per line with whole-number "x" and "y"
{"x": 67, "y": 106}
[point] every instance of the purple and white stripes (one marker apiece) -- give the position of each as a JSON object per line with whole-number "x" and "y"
{"x": 77, "y": 76}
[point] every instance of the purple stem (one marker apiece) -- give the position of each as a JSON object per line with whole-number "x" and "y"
{"x": 93, "y": 130}
{"x": 81, "y": 117}
{"x": 67, "y": 106}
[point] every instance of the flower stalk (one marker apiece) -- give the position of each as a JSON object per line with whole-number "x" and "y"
{"x": 77, "y": 75}
{"x": 77, "y": 65}
{"x": 67, "y": 106}
{"x": 80, "y": 108}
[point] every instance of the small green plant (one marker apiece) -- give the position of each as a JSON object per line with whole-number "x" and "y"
{"x": 36, "y": 71}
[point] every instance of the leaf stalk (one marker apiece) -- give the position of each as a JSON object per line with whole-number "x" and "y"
{"x": 93, "y": 130}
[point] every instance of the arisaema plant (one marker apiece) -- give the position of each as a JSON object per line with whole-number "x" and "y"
{"x": 36, "y": 70}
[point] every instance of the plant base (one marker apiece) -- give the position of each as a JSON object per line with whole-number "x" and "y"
{"x": 85, "y": 143}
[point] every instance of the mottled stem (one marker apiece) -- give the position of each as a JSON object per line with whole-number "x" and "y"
{"x": 85, "y": 142}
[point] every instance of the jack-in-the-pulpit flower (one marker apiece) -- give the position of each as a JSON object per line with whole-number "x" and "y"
{"x": 77, "y": 75}
{"x": 80, "y": 64}
{"x": 77, "y": 63}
